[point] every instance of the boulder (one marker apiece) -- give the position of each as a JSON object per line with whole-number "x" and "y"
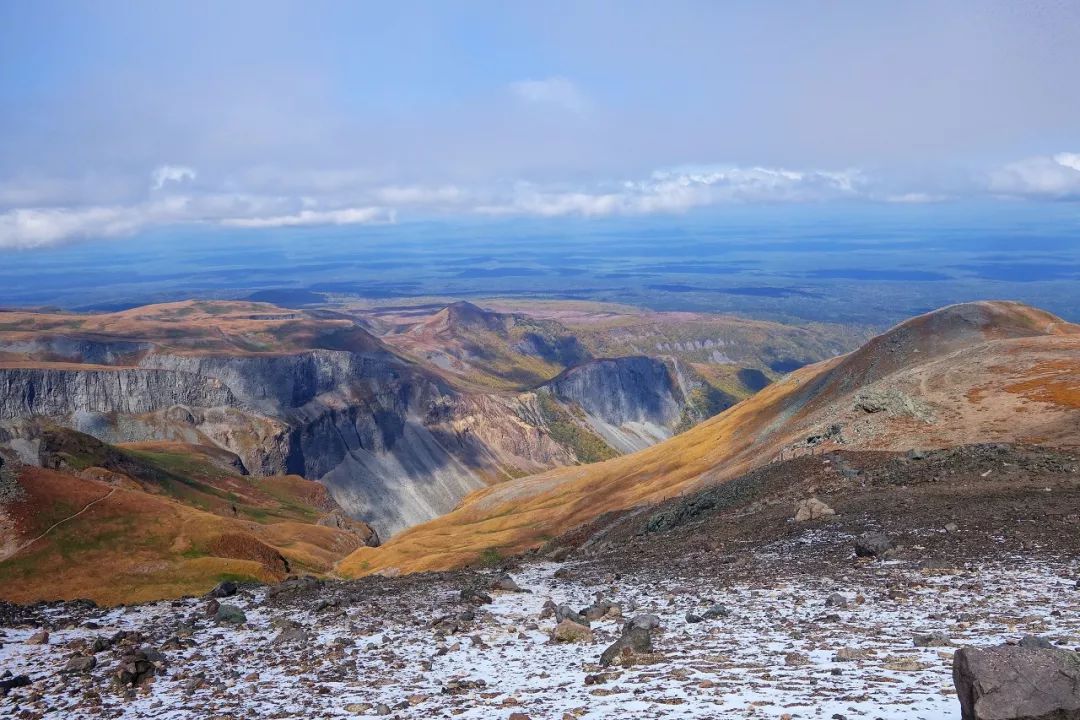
{"x": 10, "y": 683}
{"x": 932, "y": 639}
{"x": 80, "y": 664}
{"x": 565, "y": 612}
{"x": 230, "y": 614}
{"x": 645, "y": 621}
{"x": 812, "y": 509}
{"x": 505, "y": 583}
{"x": 136, "y": 666}
{"x": 1034, "y": 641}
{"x": 850, "y": 654}
{"x": 836, "y": 600}
{"x": 634, "y": 640}
{"x": 475, "y": 595}
{"x": 568, "y": 631}
{"x": 1009, "y": 682}
{"x": 873, "y": 545}
{"x": 223, "y": 589}
{"x": 715, "y": 612}
{"x": 41, "y": 637}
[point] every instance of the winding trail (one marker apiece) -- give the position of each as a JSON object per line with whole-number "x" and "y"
{"x": 52, "y": 527}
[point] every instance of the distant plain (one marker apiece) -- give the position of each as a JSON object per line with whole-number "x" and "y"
{"x": 868, "y": 264}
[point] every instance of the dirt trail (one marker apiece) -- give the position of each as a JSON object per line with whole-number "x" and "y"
{"x": 52, "y": 527}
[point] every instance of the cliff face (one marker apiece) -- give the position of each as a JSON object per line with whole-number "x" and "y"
{"x": 393, "y": 441}
{"x": 394, "y": 445}
{"x": 630, "y": 402}
{"x": 58, "y": 392}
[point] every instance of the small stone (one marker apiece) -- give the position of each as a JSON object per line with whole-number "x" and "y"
{"x": 41, "y": 637}
{"x": 836, "y": 600}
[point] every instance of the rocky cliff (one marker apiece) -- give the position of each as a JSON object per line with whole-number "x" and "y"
{"x": 395, "y": 441}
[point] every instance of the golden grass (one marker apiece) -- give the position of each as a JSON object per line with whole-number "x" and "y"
{"x": 135, "y": 546}
{"x": 524, "y": 513}
{"x": 1056, "y": 382}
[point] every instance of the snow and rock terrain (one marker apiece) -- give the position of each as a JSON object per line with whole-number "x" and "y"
{"x": 798, "y": 628}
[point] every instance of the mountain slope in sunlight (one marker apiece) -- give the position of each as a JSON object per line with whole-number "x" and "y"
{"x": 977, "y": 372}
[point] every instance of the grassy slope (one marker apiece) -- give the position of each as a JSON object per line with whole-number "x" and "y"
{"x": 167, "y": 529}
{"x": 920, "y": 355}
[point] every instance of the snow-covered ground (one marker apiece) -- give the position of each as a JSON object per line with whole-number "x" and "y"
{"x": 773, "y": 656}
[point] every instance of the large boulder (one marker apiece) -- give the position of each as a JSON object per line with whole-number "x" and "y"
{"x": 812, "y": 509}
{"x": 1010, "y": 682}
{"x": 568, "y": 631}
{"x": 634, "y": 641}
{"x": 873, "y": 545}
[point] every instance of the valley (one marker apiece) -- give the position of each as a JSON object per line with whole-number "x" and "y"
{"x": 397, "y": 412}
{"x": 824, "y": 542}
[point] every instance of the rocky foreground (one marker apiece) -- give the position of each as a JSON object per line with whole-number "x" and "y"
{"x": 801, "y": 627}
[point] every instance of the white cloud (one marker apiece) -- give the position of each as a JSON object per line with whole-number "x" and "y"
{"x": 1046, "y": 176}
{"x": 346, "y": 216}
{"x": 352, "y": 197}
{"x": 166, "y": 174}
{"x": 553, "y": 91}
{"x": 682, "y": 189}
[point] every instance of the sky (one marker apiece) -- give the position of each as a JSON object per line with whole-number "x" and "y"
{"x": 117, "y": 118}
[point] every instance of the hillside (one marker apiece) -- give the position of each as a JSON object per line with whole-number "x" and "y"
{"x": 981, "y": 372}
{"x": 121, "y": 525}
{"x": 396, "y": 435}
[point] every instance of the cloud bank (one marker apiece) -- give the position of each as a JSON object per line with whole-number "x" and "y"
{"x": 1053, "y": 177}
{"x": 351, "y": 198}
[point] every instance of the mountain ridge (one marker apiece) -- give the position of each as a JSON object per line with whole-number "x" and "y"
{"x": 975, "y": 387}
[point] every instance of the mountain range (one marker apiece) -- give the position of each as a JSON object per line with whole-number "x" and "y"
{"x": 211, "y": 420}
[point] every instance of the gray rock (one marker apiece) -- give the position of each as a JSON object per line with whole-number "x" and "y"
{"x": 80, "y": 664}
{"x": 692, "y": 618}
{"x": 292, "y": 635}
{"x": 635, "y": 639}
{"x": 1009, "y": 682}
{"x": 873, "y": 545}
{"x": 475, "y": 596}
{"x": 836, "y": 600}
{"x": 952, "y": 528}
{"x": 565, "y": 612}
{"x": 716, "y": 612}
{"x": 10, "y": 683}
{"x": 505, "y": 583}
{"x": 932, "y": 639}
{"x": 1034, "y": 641}
{"x": 230, "y": 614}
{"x": 645, "y": 621}
{"x": 223, "y": 589}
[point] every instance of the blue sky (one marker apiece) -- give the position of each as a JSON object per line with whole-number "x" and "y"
{"x": 120, "y": 117}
